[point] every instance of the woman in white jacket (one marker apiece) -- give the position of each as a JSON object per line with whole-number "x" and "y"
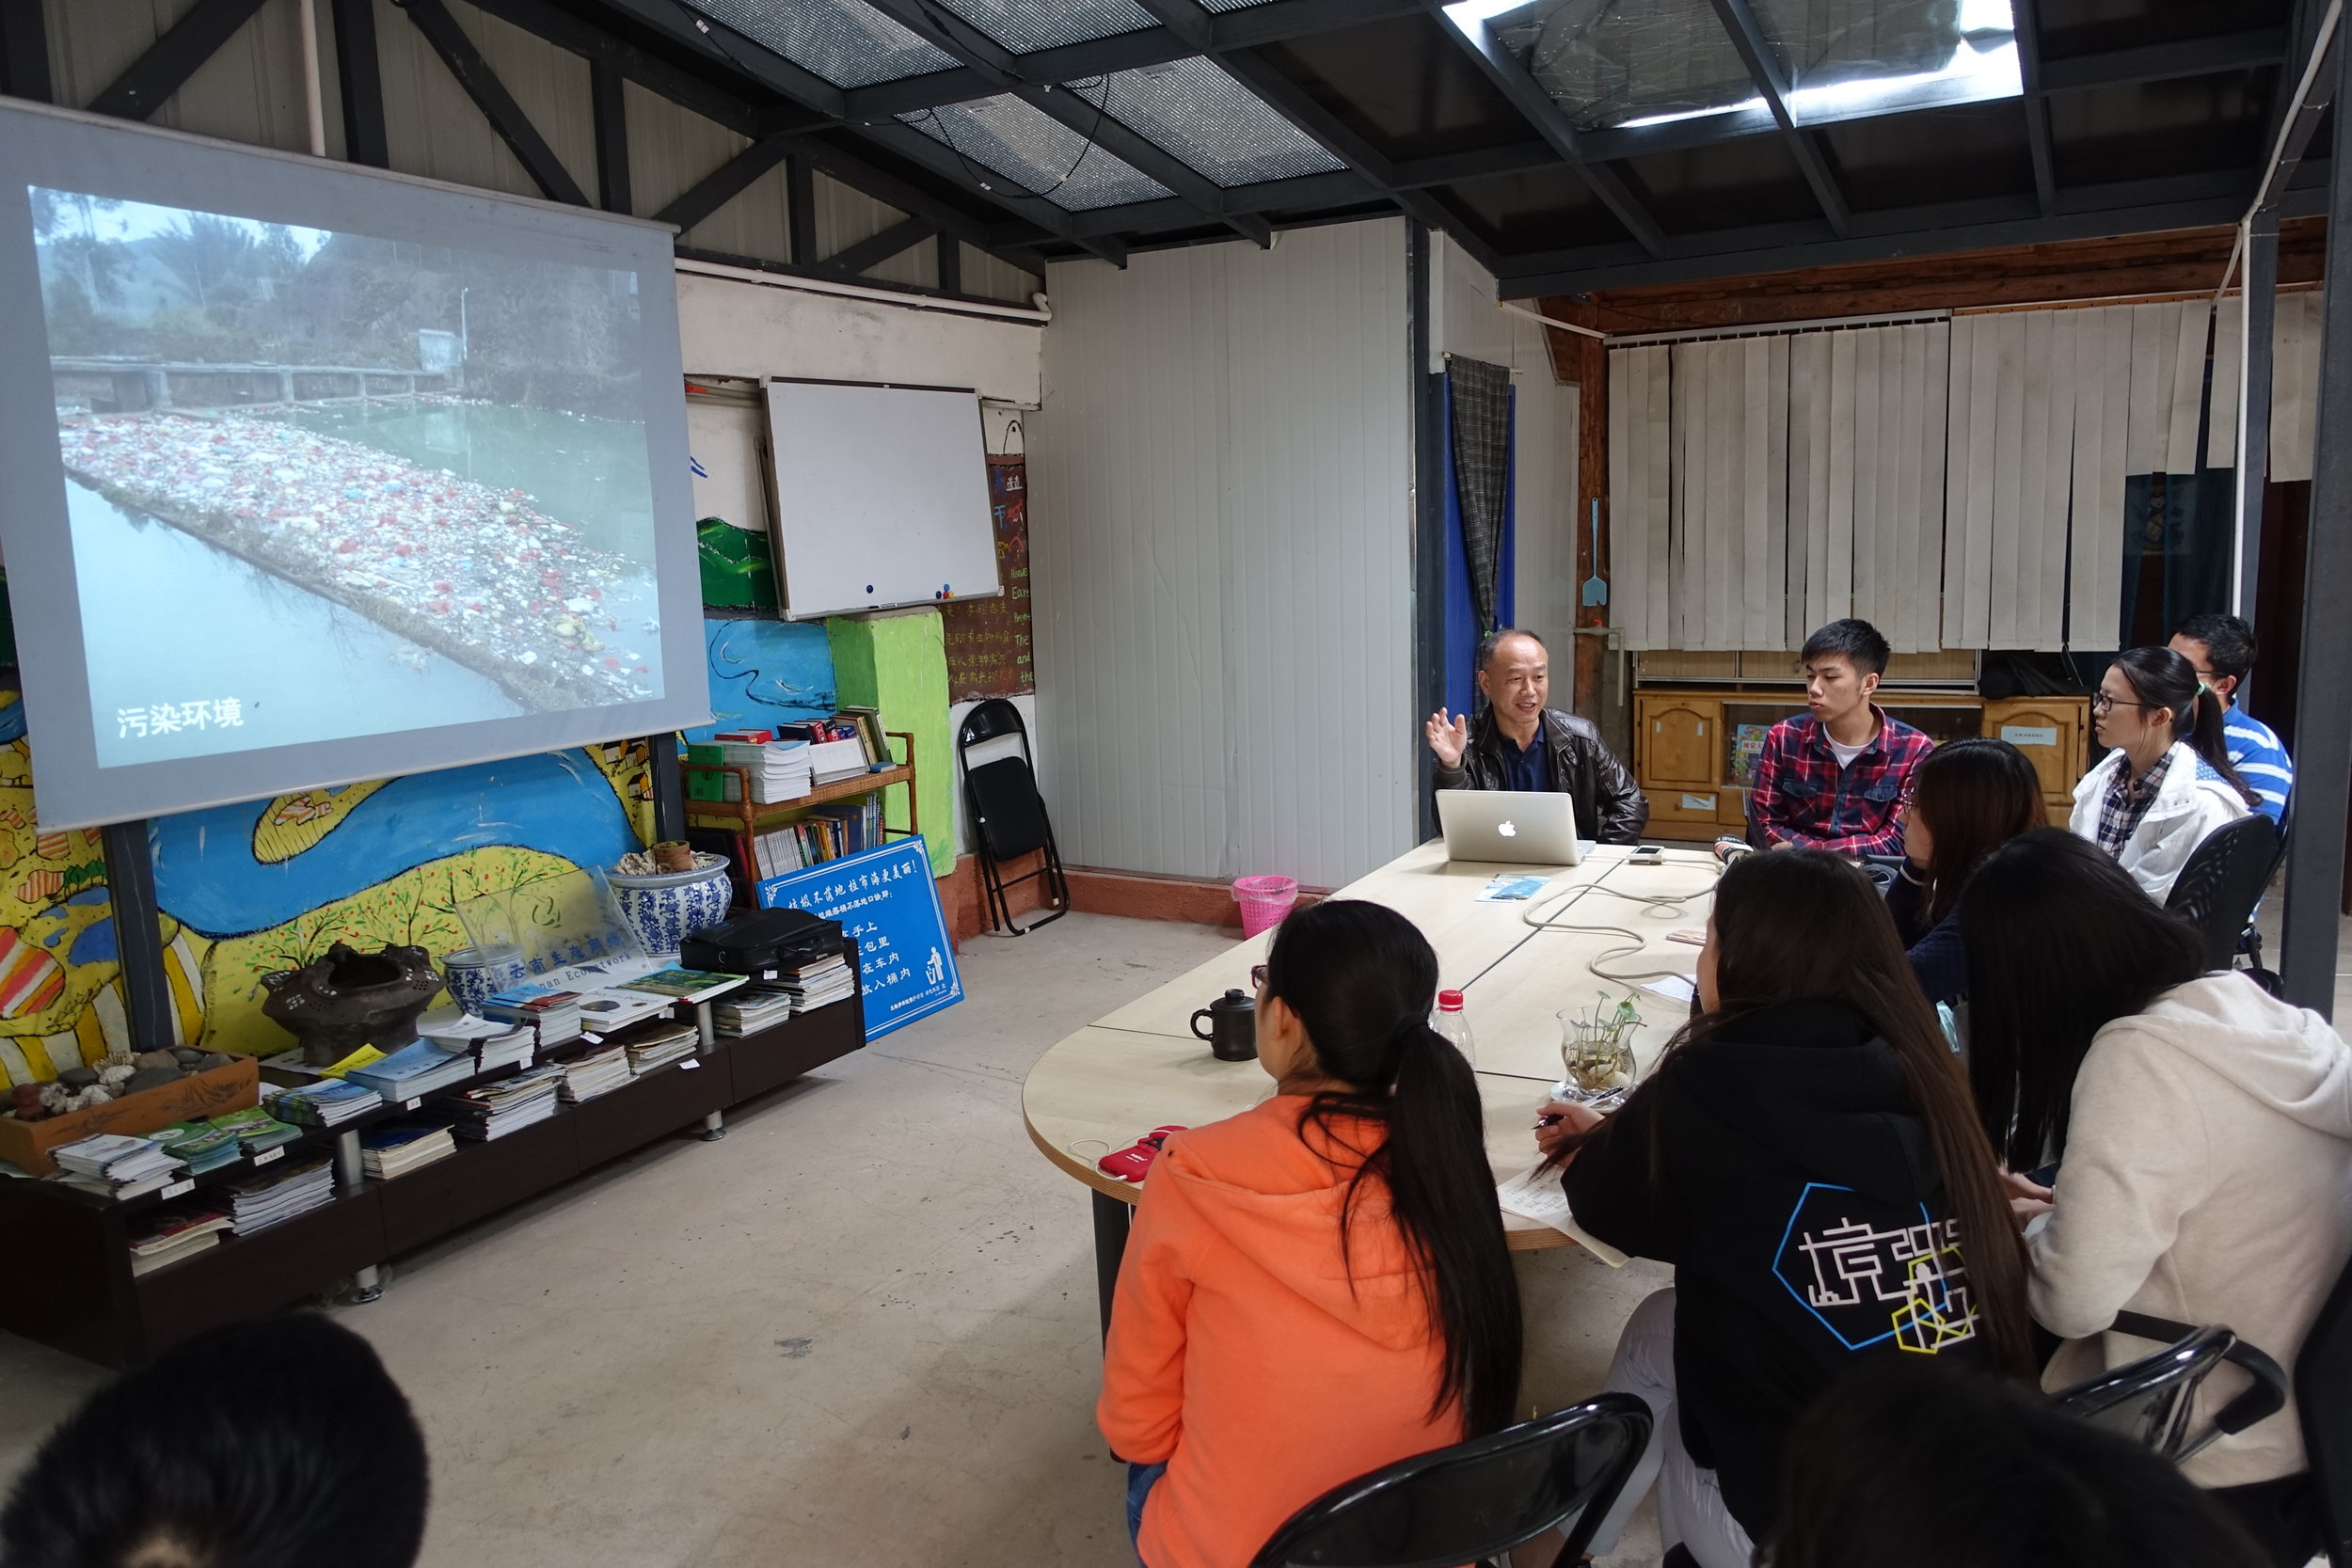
{"x": 2202, "y": 1131}
{"x": 2168, "y": 782}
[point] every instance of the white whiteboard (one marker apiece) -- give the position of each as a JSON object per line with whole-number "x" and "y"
{"x": 880, "y": 497}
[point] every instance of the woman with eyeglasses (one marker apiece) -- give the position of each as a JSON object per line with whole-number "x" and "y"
{"x": 1319, "y": 1286}
{"x": 2168, "y": 782}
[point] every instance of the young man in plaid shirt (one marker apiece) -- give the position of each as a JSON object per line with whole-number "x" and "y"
{"x": 1836, "y": 776}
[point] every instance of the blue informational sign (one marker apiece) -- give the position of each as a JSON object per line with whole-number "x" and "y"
{"x": 886, "y": 902}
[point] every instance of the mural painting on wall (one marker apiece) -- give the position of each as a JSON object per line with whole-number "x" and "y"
{"x": 261, "y": 886}
{"x": 765, "y": 673}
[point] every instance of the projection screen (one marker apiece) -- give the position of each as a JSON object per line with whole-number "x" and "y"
{"x": 313, "y": 474}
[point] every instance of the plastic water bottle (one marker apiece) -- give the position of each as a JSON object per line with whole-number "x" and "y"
{"x": 1453, "y": 1024}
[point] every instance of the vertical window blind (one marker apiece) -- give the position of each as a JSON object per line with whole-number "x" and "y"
{"x": 1960, "y": 483}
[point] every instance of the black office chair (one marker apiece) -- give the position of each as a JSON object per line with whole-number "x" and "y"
{"x": 2216, "y": 891}
{"x": 1475, "y": 1500}
{"x": 2323, "y": 1394}
{"x": 1009, "y": 815}
{"x": 2149, "y": 1399}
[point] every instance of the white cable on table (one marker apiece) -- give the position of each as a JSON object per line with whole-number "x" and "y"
{"x": 1677, "y": 902}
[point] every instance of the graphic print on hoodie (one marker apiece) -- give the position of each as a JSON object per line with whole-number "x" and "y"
{"x": 1781, "y": 1167}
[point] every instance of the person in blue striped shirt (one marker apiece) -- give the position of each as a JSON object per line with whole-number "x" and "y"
{"x": 2221, "y": 648}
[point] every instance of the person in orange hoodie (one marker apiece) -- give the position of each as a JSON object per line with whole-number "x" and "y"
{"x": 1317, "y": 1287}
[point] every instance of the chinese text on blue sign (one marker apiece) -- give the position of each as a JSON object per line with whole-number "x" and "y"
{"x": 889, "y": 906}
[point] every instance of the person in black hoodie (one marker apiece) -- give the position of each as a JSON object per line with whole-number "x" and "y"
{"x": 1806, "y": 1155}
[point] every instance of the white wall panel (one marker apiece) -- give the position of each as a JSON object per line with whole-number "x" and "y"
{"x": 433, "y": 129}
{"x": 1221, "y": 536}
{"x": 2295, "y": 386}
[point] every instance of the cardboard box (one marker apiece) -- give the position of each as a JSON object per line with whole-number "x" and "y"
{"x": 26, "y": 1143}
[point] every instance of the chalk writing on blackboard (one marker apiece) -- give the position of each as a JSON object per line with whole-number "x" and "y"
{"x": 989, "y": 649}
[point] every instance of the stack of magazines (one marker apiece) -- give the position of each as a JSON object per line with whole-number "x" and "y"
{"x": 494, "y": 1109}
{"x": 116, "y": 1166}
{"x": 660, "y": 1045}
{"x": 202, "y": 1145}
{"x": 328, "y": 1103}
{"x": 819, "y": 983}
{"x": 756, "y": 1006}
{"x": 510, "y": 1049}
{"x": 257, "y": 1130}
{"x": 419, "y": 1069}
{"x": 397, "y": 1147}
{"x": 600, "y": 1070}
{"x": 174, "y": 1231}
{"x": 553, "y": 1014}
{"x": 261, "y": 1201}
{"x": 606, "y": 1011}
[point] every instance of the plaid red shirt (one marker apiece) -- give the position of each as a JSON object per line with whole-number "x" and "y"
{"x": 1802, "y": 795}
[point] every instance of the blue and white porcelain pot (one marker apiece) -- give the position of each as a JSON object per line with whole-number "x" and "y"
{"x": 664, "y": 907}
{"x": 475, "y": 974}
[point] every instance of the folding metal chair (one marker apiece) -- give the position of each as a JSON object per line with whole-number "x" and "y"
{"x": 1008, "y": 818}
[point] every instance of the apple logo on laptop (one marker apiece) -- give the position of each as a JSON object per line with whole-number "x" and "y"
{"x": 1506, "y": 828}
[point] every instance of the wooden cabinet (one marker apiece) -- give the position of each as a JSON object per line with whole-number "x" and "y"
{"x": 1692, "y": 748}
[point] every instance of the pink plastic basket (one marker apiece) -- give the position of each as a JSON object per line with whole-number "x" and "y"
{"x": 1264, "y": 900}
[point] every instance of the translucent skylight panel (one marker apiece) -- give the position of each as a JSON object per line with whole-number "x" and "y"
{"x": 1026, "y": 25}
{"x": 1628, "y": 62}
{"x": 847, "y": 42}
{"x": 1208, "y": 120}
{"x": 1852, "y": 58}
{"x": 1017, "y": 148}
{"x": 1232, "y": 5}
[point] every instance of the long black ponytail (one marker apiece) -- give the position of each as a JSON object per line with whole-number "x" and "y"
{"x": 1361, "y": 980}
{"x": 2164, "y": 679}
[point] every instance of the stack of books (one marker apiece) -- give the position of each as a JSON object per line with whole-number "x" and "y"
{"x": 778, "y": 770}
{"x": 600, "y": 1070}
{"x": 400, "y": 1146}
{"x": 552, "y": 1015}
{"x": 414, "y": 1070}
{"x": 203, "y": 1146}
{"x": 174, "y": 1231}
{"x": 328, "y": 1103}
{"x": 260, "y": 1201}
{"x": 605, "y": 1012}
{"x": 819, "y": 983}
{"x": 257, "y": 1130}
{"x": 511, "y": 1049}
{"x": 683, "y": 984}
{"x": 494, "y": 1109}
{"x": 755, "y": 1008}
{"x": 660, "y": 1045}
{"x": 116, "y": 1166}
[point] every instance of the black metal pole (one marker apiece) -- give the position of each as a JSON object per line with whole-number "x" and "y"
{"x": 1112, "y": 1219}
{"x": 138, "y": 935}
{"x": 2323, "y": 723}
{"x": 2254, "y": 429}
{"x": 669, "y": 787}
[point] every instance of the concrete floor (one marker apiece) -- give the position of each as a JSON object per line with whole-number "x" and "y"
{"x": 860, "y": 1330}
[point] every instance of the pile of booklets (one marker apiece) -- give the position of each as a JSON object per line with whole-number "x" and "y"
{"x": 260, "y": 1201}
{"x": 174, "y": 1231}
{"x": 598, "y": 1070}
{"x": 756, "y": 1006}
{"x": 552, "y": 1015}
{"x": 257, "y": 1130}
{"x": 328, "y": 1103}
{"x": 778, "y": 770}
{"x": 511, "y": 1049}
{"x": 419, "y": 1069}
{"x": 683, "y": 984}
{"x": 114, "y": 1166}
{"x": 605, "y": 1011}
{"x": 203, "y": 1146}
{"x": 819, "y": 983}
{"x": 658, "y": 1045}
{"x": 399, "y": 1147}
{"x": 494, "y": 1109}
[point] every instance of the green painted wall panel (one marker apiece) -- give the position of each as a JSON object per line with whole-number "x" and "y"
{"x": 898, "y": 663}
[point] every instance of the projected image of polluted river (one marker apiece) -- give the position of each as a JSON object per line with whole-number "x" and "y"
{"x": 323, "y": 484}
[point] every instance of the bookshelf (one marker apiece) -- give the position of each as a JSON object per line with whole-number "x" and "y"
{"x": 80, "y": 1296}
{"x": 743, "y": 818}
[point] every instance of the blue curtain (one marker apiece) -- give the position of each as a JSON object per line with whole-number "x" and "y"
{"x": 1462, "y": 630}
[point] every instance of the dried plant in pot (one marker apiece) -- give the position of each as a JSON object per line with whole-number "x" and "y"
{"x": 335, "y": 1005}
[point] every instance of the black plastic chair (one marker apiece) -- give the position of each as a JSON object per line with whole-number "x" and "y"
{"x": 2323, "y": 1395}
{"x": 1008, "y": 814}
{"x": 1475, "y": 1500}
{"x": 2149, "y": 1399}
{"x": 2216, "y": 891}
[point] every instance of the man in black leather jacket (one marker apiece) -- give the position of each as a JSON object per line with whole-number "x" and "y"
{"x": 1521, "y": 743}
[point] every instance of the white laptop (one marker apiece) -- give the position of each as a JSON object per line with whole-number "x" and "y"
{"x": 1519, "y": 828}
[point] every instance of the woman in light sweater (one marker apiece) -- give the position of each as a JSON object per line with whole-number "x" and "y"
{"x": 2203, "y": 1135}
{"x": 2168, "y": 782}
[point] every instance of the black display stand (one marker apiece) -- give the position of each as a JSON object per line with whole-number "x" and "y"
{"x": 76, "y": 1292}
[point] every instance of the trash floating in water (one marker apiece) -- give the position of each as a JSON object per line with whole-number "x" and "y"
{"x": 476, "y": 574}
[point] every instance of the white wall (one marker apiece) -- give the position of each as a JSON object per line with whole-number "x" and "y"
{"x": 1221, "y": 550}
{"x": 1465, "y": 320}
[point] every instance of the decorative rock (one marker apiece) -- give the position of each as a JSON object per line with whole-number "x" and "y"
{"x": 186, "y": 1055}
{"x": 151, "y": 1078}
{"x": 54, "y": 1097}
{"x": 77, "y": 1078}
{"x": 154, "y": 1058}
{"x": 212, "y": 1059}
{"x": 347, "y": 999}
{"x": 117, "y": 1058}
{"x": 26, "y": 1098}
{"x": 115, "y": 1077}
{"x": 94, "y": 1095}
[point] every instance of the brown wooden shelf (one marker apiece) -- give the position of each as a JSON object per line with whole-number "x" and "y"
{"x": 713, "y": 813}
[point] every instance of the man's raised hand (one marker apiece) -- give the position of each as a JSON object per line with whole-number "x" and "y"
{"x": 1448, "y": 737}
